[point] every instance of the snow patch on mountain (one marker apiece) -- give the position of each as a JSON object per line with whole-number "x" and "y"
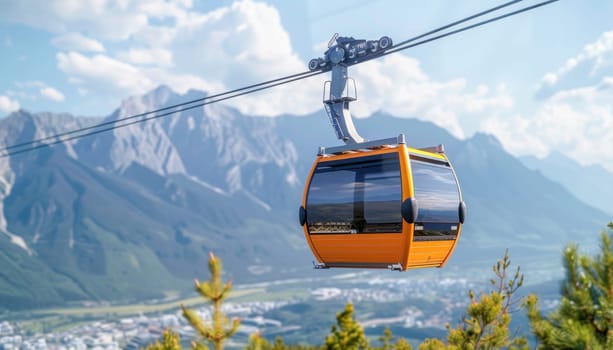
{"x": 258, "y": 201}
{"x": 7, "y": 180}
{"x": 208, "y": 186}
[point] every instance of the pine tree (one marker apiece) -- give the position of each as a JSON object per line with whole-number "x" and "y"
{"x": 347, "y": 334}
{"x": 487, "y": 320}
{"x": 386, "y": 339}
{"x": 170, "y": 341}
{"x": 584, "y": 318}
{"x": 256, "y": 342}
{"x": 221, "y": 328}
{"x": 402, "y": 344}
{"x": 386, "y": 342}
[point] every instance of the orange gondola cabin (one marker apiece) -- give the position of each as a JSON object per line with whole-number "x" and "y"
{"x": 376, "y": 204}
{"x": 390, "y": 207}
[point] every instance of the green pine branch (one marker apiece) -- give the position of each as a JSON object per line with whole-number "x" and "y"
{"x": 220, "y": 329}
{"x": 584, "y": 317}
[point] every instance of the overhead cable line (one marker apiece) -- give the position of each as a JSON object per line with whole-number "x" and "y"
{"x": 115, "y": 121}
{"x": 117, "y": 126}
{"x": 180, "y": 107}
{"x": 452, "y": 24}
{"x": 401, "y": 47}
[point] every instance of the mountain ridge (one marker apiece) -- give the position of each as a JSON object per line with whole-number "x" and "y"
{"x": 133, "y": 213}
{"x": 578, "y": 179}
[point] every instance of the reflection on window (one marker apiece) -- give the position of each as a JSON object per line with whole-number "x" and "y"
{"x": 355, "y": 196}
{"x": 438, "y": 198}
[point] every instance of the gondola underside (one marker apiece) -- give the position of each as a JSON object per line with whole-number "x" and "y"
{"x": 378, "y": 251}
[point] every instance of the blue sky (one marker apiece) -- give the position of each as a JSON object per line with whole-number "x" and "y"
{"x": 540, "y": 81}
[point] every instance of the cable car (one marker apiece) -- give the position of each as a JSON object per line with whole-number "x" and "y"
{"x": 378, "y": 204}
{"x": 391, "y": 206}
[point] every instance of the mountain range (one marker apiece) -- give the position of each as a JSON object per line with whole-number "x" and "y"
{"x": 133, "y": 213}
{"x": 589, "y": 183}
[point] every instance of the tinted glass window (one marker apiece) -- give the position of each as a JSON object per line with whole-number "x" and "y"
{"x": 355, "y": 196}
{"x": 438, "y": 199}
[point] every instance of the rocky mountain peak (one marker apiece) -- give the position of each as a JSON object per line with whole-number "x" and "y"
{"x": 213, "y": 144}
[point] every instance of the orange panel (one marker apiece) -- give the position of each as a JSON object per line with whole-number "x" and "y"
{"x": 407, "y": 192}
{"x": 359, "y": 248}
{"x": 455, "y": 242}
{"x": 430, "y": 253}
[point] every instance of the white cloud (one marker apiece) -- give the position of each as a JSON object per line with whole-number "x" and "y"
{"x": 52, "y": 94}
{"x": 577, "y": 122}
{"x": 246, "y": 43}
{"x": 151, "y": 22}
{"x": 33, "y": 89}
{"x": 575, "y": 114}
{"x": 584, "y": 69}
{"x": 239, "y": 44}
{"x": 156, "y": 57}
{"x": 7, "y": 105}
{"x": 320, "y": 47}
{"x": 77, "y": 42}
{"x": 105, "y": 19}
{"x": 29, "y": 84}
{"x": 224, "y": 49}
{"x": 101, "y": 74}
{"x": 516, "y": 134}
{"x": 155, "y": 36}
{"x": 166, "y": 9}
{"x": 104, "y": 74}
{"x": 298, "y": 98}
{"x": 243, "y": 44}
{"x": 397, "y": 84}
{"x": 183, "y": 82}
{"x": 20, "y": 95}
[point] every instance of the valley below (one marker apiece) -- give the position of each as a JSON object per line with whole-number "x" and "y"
{"x": 417, "y": 304}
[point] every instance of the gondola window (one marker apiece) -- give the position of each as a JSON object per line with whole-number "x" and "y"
{"x": 436, "y": 191}
{"x": 350, "y": 196}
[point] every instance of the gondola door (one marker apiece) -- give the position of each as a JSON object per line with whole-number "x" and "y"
{"x": 438, "y": 224}
{"x": 353, "y": 210}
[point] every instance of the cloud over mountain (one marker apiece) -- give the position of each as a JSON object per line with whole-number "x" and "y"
{"x": 575, "y": 114}
{"x": 587, "y": 68}
{"x": 7, "y": 104}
